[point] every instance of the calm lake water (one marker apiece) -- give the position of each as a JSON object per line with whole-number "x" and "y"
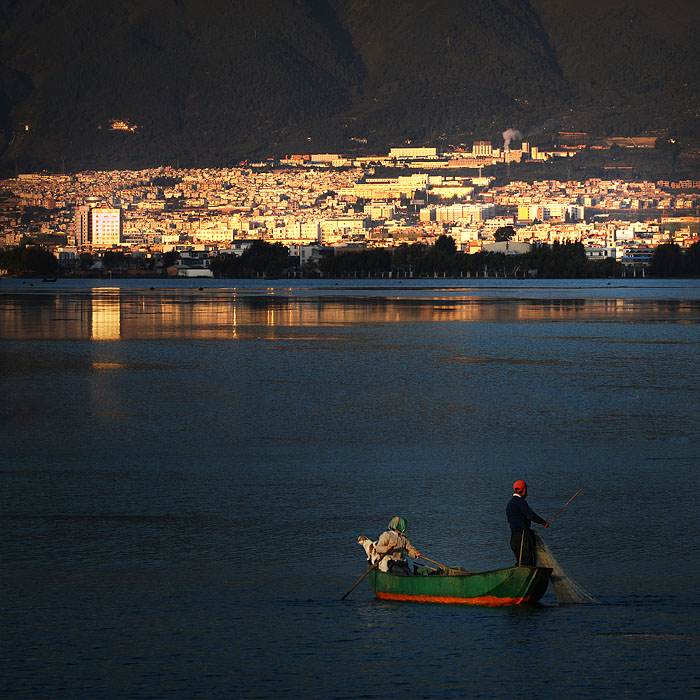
{"x": 186, "y": 466}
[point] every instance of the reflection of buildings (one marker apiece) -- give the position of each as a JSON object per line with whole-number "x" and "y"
{"x": 117, "y": 314}
{"x": 105, "y": 314}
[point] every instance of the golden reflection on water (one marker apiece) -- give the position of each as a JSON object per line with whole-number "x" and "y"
{"x": 105, "y": 316}
{"x": 114, "y": 314}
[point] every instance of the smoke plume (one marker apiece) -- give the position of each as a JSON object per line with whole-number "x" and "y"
{"x": 509, "y": 135}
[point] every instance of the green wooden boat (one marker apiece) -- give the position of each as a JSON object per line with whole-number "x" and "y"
{"x": 516, "y": 585}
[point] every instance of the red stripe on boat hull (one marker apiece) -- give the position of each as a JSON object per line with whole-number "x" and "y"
{"x": 481, "y": 600}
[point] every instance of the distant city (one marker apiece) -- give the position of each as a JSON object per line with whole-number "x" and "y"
{"x": 327, "y": 203}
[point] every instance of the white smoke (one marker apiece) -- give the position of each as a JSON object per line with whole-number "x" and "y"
{"x": 508, "y": 136}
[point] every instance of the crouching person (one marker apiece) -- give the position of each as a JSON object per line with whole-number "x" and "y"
{"x": 393, "y": 545}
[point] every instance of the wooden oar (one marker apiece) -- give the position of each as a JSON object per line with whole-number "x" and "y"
{"x": 362, "y": 578}
{"x": 564, "y": 506}
{"x": 432, "y": 561}
{"x": 427, "y": 566}
{"x": 359, "y": 580}
{"x": 450, "y": 570}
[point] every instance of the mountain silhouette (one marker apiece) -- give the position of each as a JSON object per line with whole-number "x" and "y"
{"x": 211, "y": 83}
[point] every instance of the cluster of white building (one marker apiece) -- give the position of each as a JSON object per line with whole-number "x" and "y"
{"x": 328, "y": 200}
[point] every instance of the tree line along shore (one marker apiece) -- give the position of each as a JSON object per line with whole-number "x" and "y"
{"x": 272, "y": 260}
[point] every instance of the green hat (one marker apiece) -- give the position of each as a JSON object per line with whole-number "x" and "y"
{"x": 399, "y": 524}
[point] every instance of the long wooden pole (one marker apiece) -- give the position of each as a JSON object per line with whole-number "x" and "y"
{"x": 522, "y": 540}
{"x": 360, "y": 580}
{"x": 364, "y": 576}
{"x": 564, "y": 506}
{"x": 442, "y": 566}
{"x": 427, "y": 566}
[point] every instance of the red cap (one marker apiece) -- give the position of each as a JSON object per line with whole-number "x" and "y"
{"x": 519, "y": 486}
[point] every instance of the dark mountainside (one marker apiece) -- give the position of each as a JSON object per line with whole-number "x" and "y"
{"x": 209, "y": 84}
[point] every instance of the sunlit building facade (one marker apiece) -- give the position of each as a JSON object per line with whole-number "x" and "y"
{"x": 106, "y": 224}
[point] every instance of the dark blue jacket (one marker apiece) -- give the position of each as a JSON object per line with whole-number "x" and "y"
{"x": 520, "y": 514}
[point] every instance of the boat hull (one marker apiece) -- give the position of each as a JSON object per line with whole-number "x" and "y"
{"x": 517, "y": 585}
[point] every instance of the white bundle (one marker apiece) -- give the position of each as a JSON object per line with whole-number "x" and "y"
{"x": 566, "y": 590}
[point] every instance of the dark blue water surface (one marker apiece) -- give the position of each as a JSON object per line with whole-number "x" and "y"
{"x": 186, "y": 466}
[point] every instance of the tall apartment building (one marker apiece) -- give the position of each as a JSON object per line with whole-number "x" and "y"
{"x": 94, "y": 224}
{"x": 81, "y": 226}
{"x": 106, "y": 224}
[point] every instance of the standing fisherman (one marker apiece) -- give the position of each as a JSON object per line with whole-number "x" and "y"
{"x": 520, "y": 517}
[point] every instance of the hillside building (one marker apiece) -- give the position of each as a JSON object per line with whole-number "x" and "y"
{"x": 82, "y": 222}
{"x": 106, "y": 225}
{"x": 482, "y": 148}
{"x": 460, "y": 212}
{"x": 413, "y": 153}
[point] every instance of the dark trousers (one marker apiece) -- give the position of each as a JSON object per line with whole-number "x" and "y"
{"x": 527, "y": 538}
{"x": 399, "y": 568}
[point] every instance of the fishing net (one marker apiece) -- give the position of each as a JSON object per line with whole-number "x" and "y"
{"x": 566, "y": 590}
